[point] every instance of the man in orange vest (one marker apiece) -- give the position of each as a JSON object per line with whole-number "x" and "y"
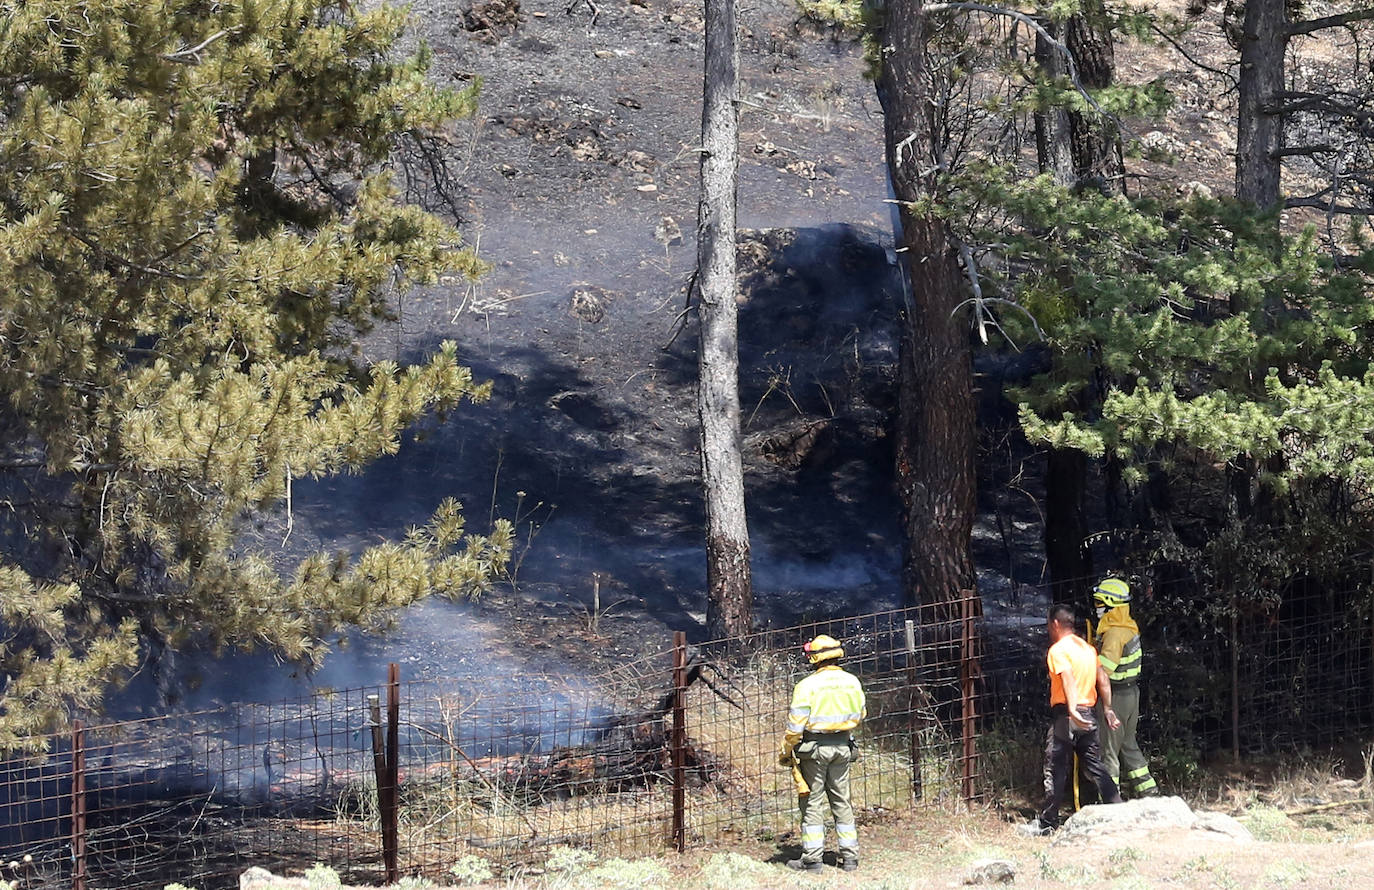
{"x": 1076, "y": 680}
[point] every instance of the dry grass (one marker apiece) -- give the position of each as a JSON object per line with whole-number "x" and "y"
{"x": 741, "y": 794}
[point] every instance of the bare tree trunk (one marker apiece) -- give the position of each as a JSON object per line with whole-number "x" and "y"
{"x": 1093, "y": 139}
{"x": 1076, "y": 147}
{"x": 1052, "y": 124}
{"x": 936, "y": 433}
{"x": 729, "y": 604}
{"x": 1259, "y": 131}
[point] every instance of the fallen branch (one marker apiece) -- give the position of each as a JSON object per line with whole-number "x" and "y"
{"x": 1304, "y": 811}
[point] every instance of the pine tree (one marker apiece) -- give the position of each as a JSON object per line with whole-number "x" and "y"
{"x": 1191, "y": 339}
{"x": 195, "y": 225}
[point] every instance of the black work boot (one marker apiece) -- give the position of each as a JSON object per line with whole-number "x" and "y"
{"x": 803, "y": 865}
{"x": 849, "y": 863}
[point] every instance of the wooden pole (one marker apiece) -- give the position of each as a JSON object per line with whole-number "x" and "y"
{"x": 680, "y": 740}
{"x": 78, "y": 806}
{"x": 390, "y": 828}
{"x": 913, "y": 715}
{"x": 374, "y": 707}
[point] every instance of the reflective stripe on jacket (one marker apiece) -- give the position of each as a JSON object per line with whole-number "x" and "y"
{"x": 1121, "y": 649}
{"x": 829, "y": 699}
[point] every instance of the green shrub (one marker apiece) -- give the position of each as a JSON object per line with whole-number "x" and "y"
{"x": 622, "y": 874}
{"x": 568, "y": 860}
{"x": 728, "y": 871}
{"x": 470, "y": 870}
{"x": 322, "y": 877}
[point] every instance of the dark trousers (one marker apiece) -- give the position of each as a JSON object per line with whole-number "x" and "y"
{"x": 1062, "y": 742}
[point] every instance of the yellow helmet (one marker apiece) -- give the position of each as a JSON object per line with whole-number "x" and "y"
{"x": 823, "y": 648}
{"x": 1112, "y": 592}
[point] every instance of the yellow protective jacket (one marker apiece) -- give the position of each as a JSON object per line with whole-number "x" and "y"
{"x": 830, "y": 699}
{"x": 1119, "y": 650}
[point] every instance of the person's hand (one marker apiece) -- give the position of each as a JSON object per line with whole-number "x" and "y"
{"x": 786, "y": 756}
{"x": 1078, "y": 721}
{"x": 1112, "y": 720}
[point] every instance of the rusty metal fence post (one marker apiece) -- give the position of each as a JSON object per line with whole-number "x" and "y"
{"x": 968, "y": 670}
{"x": 679, "y": 742}
{"x": 391, "y": 823}
{"x": 78, "y": 806}
{"x": 385, "y": 750}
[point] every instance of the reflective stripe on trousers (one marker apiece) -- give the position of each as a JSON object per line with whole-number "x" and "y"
{"x": 1120, "y": 752}
{"x": 826, "y": 771}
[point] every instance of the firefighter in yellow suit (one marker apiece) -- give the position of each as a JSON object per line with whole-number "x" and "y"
{"x": 827, "y": 706}
{"x": 1118, "y": 639}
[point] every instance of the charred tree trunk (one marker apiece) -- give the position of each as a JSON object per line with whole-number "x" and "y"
{"x": 935, "y": 425}
{"x": 1259, "y": 131}
{"x": 1066, "y": 526}
{"x": 729, "y": 604}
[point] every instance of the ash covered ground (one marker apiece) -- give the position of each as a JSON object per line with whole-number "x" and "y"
{"x": 579, "y": 183}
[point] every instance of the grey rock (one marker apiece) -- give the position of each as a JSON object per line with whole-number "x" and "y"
{"x": 1146, "y": 814}
{"x": 257, "y": 878}
{"x": 1194, "y": 189}
{"x": 991, "y": 871}
{"x": 1225, "y": 825}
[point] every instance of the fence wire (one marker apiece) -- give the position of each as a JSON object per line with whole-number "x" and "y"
{"x": 583, "y": 761}
{"x": 587, "y": 761}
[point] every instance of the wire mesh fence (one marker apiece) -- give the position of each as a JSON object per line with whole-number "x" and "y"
{"x": 410, "y": 777}
{"x": 675, "y": 748}
{"x": 1228, "y": 675}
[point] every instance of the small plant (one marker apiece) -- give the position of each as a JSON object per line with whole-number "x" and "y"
{"x": 622, "y": 874}
{"x": 1067, "y": 874}
{"x": 727, "y": 871}
{"x": 1048, "y": 870}
{"x": 414, "y": 882}
{"x": 568, "y": 860}
{"x": 1268, "y": 823}
{"x": 321, "y": 877}
{"x": 470, "y": 870}
{"x": 1132, "y": 882}
{"x": 1285, "y": 874}
{"x": 1121, "y": 862}
{"x": 593, "y": 614}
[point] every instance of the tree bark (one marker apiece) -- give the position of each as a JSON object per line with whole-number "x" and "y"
{"x": 1076, "y": 147}
{"x": 1093, "y": 139}
{"x": 1259, "y": 131}
{"x": 1052, "y": 124}
{"x": 935, "y": 426}
{"x": 729, "y": 603}
{"x": 1066, "y": 526}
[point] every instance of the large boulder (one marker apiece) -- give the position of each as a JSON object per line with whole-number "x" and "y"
{"x": 1139, "y": 817}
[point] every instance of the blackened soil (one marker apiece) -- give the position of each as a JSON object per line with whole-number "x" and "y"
{"x": 579, "y": 180}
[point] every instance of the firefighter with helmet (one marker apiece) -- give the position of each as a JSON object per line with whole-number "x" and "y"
{"x": 827, "y": 706}
{"x": 1118, "y": 639}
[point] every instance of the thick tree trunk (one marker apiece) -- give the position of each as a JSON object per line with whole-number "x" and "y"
{"x": 935, "y": 435}
{"x": 1075, "y": 147}
{"x": 1066, "y": 526}
{"x": 1052, "y": 124}
{"x": 1259, "y": 132}
{"x": 729, "y": 604}
{"x": 1093, "y": 139}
